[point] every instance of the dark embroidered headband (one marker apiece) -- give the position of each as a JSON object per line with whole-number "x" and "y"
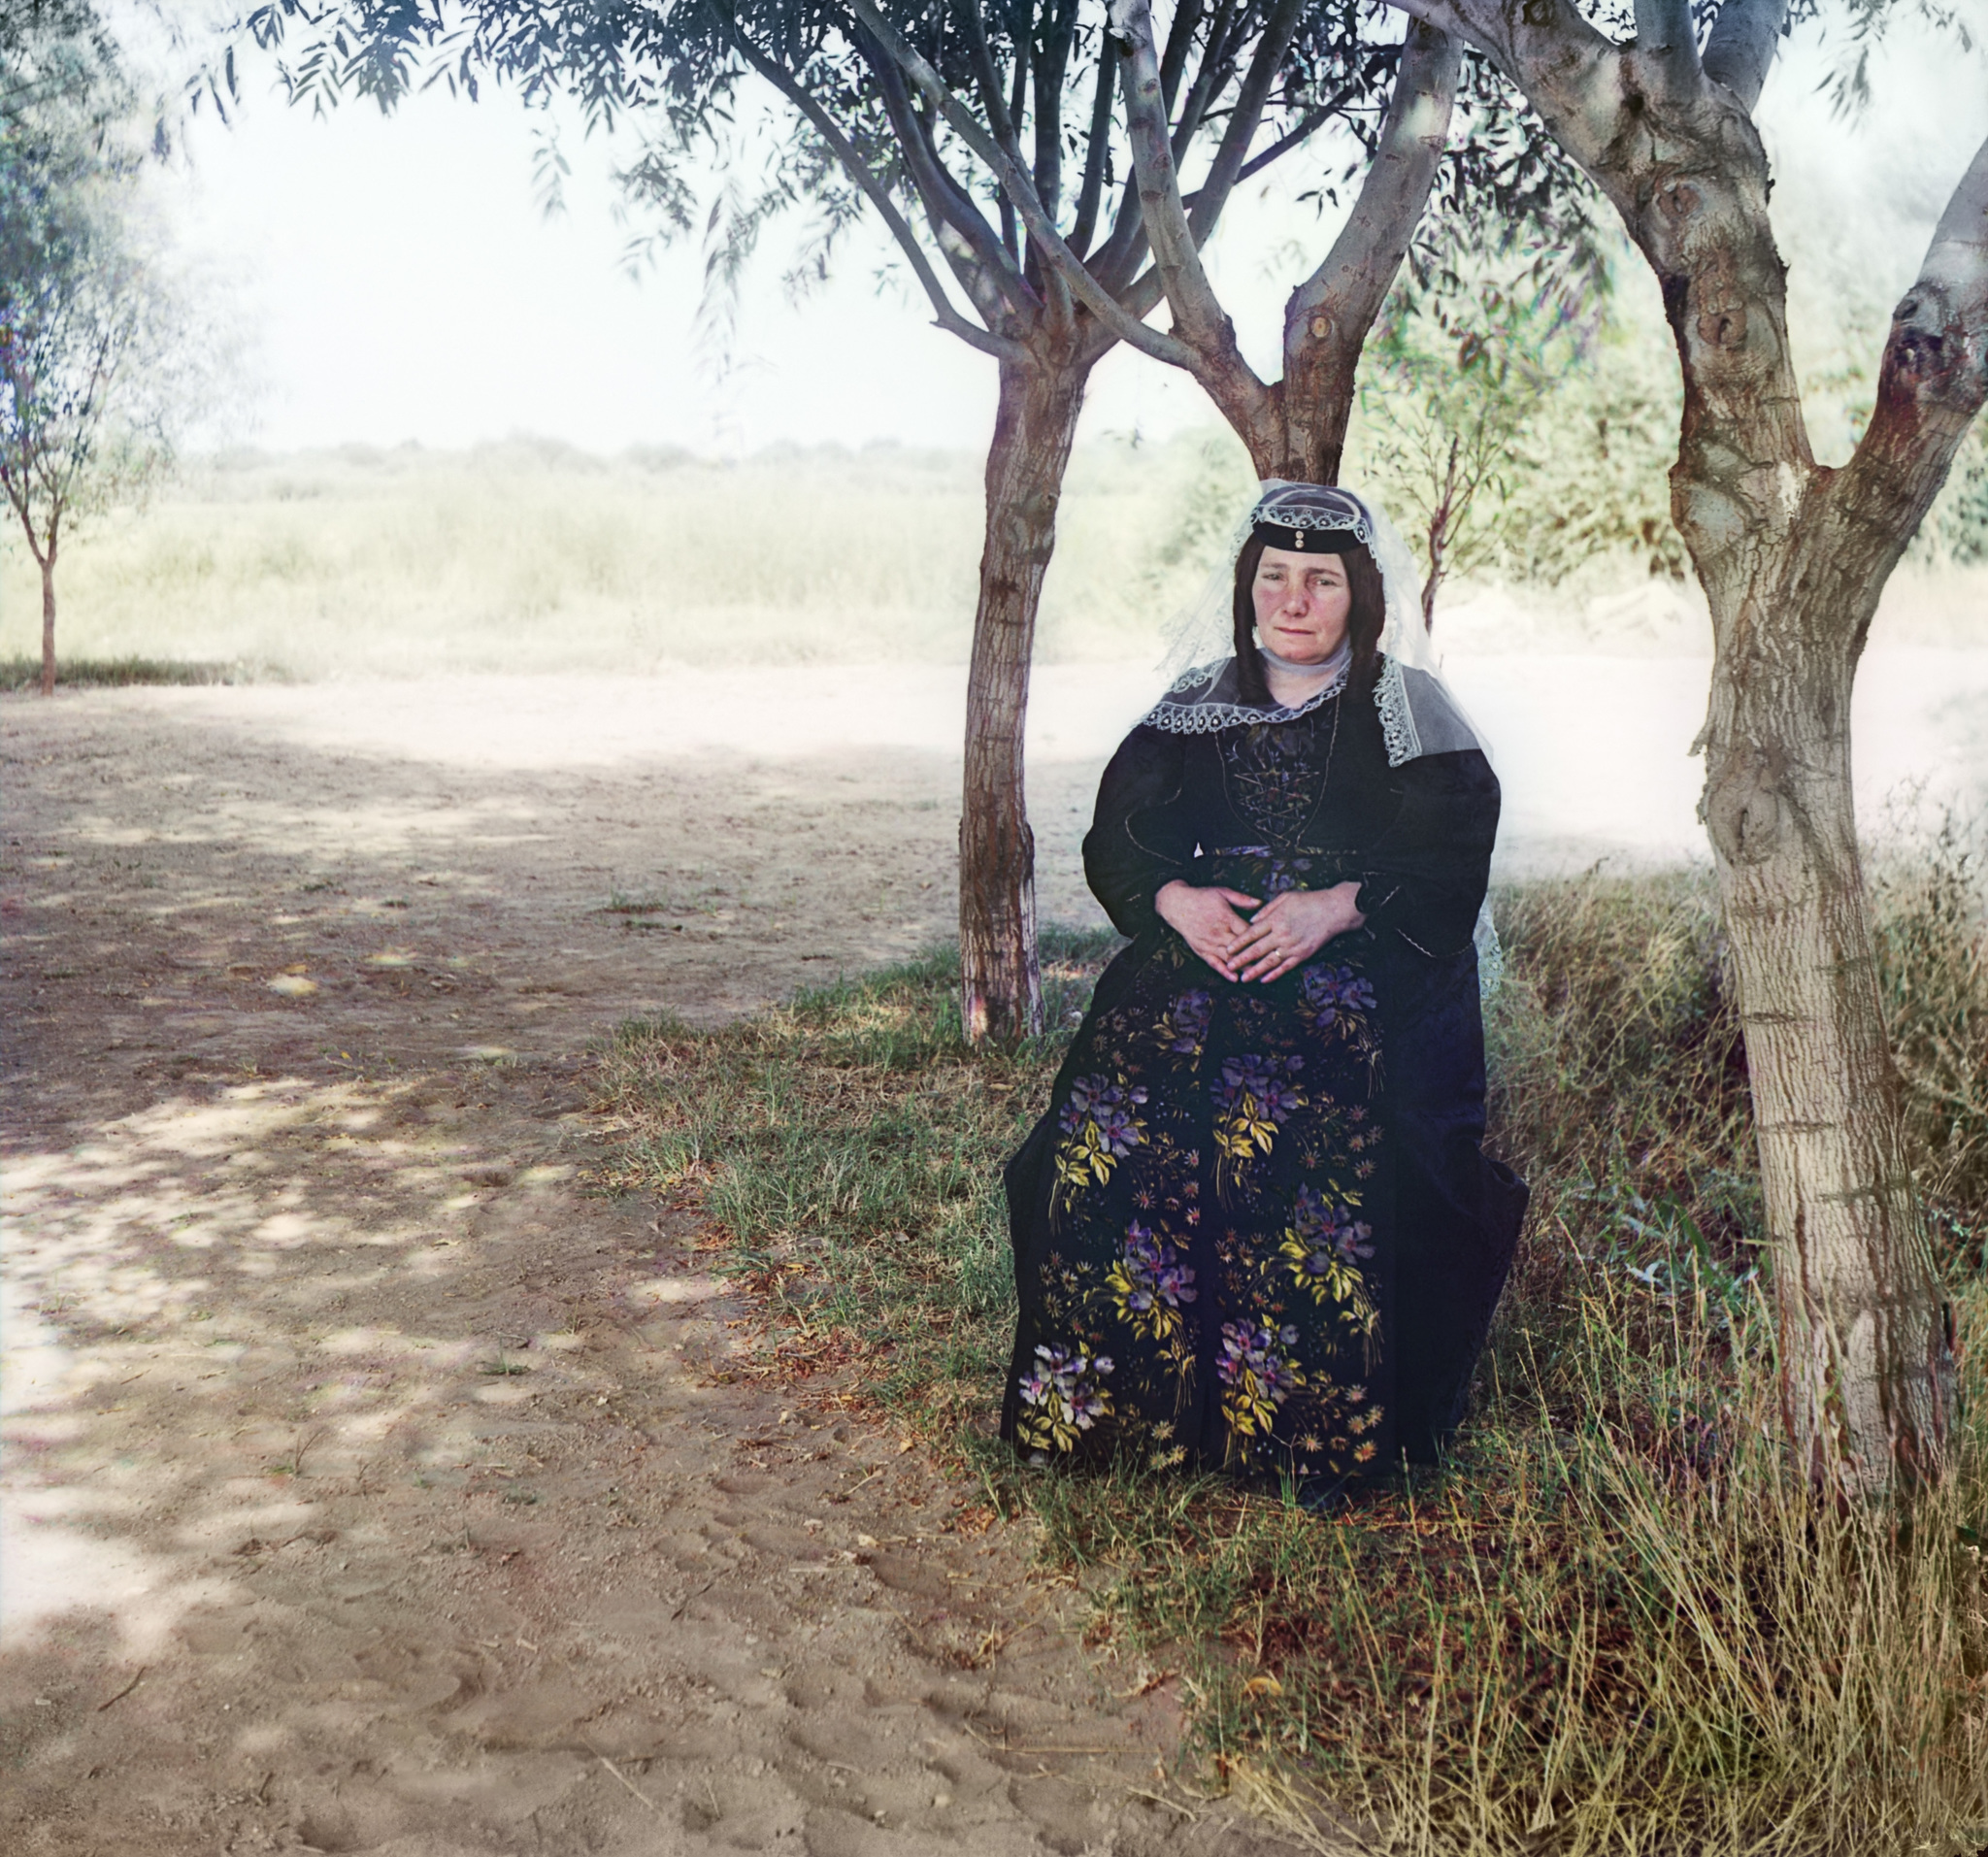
{"x": 1312, "y": 519}
{"x": 1308, "y": 541}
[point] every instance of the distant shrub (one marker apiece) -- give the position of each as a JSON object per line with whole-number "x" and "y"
{"x": 105, "y": 674}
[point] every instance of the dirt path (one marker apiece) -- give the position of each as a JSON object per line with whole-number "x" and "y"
{"x": 371, "y": 1487}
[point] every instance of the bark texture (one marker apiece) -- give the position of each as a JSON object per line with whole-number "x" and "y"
{"x": 1001, "y": 994}
{"x": 1792, "y": 556}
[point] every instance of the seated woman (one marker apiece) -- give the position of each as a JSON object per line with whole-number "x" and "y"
{"x": 1254, "y": 1230}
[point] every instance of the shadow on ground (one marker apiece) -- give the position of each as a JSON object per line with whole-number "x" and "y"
{"x": 372, "y": 1484}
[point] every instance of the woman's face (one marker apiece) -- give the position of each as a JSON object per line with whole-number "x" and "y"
{"x": 1301, "y": 604}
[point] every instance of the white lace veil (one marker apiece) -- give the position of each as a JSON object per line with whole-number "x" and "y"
{"x": 1419, "y": 714}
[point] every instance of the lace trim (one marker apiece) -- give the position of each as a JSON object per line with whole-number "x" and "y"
{"x": 1300, "y": 517}
{"x": 1210, "y": 718}
{"x": 1397, "y": 720}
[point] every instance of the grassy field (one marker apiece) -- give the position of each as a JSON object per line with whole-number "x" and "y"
{"x": 530, "y": 556}
{"x": 533, "y": 557}
{"x": 1616, "y": 1622}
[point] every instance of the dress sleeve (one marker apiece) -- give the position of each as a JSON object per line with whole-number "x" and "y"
{"x": 1424, "y": 878}
{"x": 1139, "y": 839}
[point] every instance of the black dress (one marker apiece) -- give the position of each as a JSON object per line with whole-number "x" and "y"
{"x": 1255, "y": 1230}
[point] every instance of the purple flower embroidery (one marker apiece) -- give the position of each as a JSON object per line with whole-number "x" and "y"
{"x": 1257, "y": 1376}
{"x": 1266, "y": 1082}
{"x": 1327, "y": 1234}
{"x": 1062, "y": 1397}
{"x": 1109, "y": 1108}
{"x": 1325, "y": 991}
{"x": 1188, "y": 1022}
{"x": 1150, "y": 1273}
{"x": 1254, "y": 1097}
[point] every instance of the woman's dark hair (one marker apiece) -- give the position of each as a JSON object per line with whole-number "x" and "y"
{"x": 1363, "y": 623}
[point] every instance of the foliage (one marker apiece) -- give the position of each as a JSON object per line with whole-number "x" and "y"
{"x": 1616, "y": 1621}
{"x": 1956, "y": 528}
{"x": 673, "y": 76}
{"x": 1445, "y": 412}
{"x": 84, "y": 315}
{"x": 91, "y": 336}
{"x": 846, "y": 1145}
{"x": 1932, "y": 933}
{"x": 1511, "y": 432}
{"x": 116, "y": 674}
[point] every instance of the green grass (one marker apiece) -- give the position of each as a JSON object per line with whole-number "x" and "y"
{"x": 1616, "y": 1621}
{"x": 108, "y": 674}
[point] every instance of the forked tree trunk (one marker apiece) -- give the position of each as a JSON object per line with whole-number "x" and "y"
{"x": 1296, "y": 427}
{"x": 1000, "y": 991}
{"x": 1793, "y": 557}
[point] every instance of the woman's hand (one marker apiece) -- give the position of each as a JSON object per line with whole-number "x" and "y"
{"x": 1207, "y": 922}
{"x": 1291, "y": 928}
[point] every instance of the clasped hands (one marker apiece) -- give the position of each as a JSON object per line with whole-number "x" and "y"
{"x": 1282, "y": 934}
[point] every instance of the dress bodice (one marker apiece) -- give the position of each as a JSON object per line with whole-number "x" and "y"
{"x": 1314, "y": 791}
{"x": 1276, "y": 775}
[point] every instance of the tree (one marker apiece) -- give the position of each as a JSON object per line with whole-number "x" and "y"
{"x": 1792, "y": 556}
{"x": 962, "y": 128}
{"x": 85, "y": 319}
{"x": 1507, "y": 433}
{"x": 1502, "y": 183}
{"x": 1447, "y": 413}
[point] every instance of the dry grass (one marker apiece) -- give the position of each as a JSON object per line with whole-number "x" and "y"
{"x": 530, "y": 556}
{"x": 533, "y": 557}
{"x": 1616, "y": 1622}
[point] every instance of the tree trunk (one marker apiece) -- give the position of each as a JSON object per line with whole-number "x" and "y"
{"x": 1792, "y": 557}
{"x": 1865, "y": 1338}
{"x": 1792, "y": 564}
{"x": 47, "y": 565}
{"x": 1000, "y": 991}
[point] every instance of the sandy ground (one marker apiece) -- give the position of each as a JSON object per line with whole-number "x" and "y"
{"x": 370, "y": 1486}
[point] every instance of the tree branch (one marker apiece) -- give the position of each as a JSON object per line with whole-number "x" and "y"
{"x": 1329, "y": 315}
{"x": 1198, "y": 316}
{"x": 1017, "y": 102}
{"x": 1234, "y": 148}
{"x": 1546, "y": 47}
{"x": 1740, "y": 54}
{"x": 1001, "y": 117}
{"x": 979, "y": 258}
{"x": 989, "y": 80}
{"x": 1933, "y": 378}
{"x": 1091, "y": 191}
{"x": 1049, "y": 242}
{"x": 1309, "y": 125}
{"x": 1049, "y": 70}
{"x": 1665, "y": 42}
{"x": 1179, "y": 42}
{"x": 879, "y": 196}
{"x": 1210, "y": 77}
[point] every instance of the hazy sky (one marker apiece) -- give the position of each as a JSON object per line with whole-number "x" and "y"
{"x": 402, "y": 283}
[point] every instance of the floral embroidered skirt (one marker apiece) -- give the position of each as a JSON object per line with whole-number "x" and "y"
{"x": 1203, "y": 1227}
